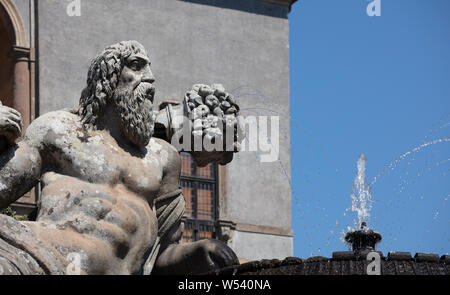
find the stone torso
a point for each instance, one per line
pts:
(97, 196)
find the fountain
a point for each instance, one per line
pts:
(363, 241)
(362, 238)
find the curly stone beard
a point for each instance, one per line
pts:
(135, 110)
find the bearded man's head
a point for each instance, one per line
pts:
(132, 97)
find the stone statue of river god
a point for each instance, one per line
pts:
(110, 200)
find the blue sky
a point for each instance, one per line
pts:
(378, 86)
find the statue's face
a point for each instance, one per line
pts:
(133, 99)
(136, 71)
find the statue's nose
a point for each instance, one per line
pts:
(148, 77)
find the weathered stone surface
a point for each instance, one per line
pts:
(424, 257)
(344, 255)
(399, 256)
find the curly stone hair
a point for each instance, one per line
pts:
(102, 79)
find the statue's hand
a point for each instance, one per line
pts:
(214, 114)
(213, 255)
(10, 124)
(200, 257)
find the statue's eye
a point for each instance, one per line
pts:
(135, 65)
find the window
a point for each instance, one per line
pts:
(199, 185)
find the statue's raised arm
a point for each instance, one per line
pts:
(205, 124)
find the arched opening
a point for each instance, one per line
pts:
(17, 78)
(16, 53)
(6, 64)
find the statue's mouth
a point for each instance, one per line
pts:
(145, 91)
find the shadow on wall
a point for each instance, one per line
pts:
(252, 6)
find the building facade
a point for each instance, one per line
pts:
(47, 45)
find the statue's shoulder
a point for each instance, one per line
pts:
(51, 125)
(163, 147)
(161, 144)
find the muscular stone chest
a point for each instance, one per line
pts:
(97, 158)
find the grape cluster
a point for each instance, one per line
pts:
(212, 110)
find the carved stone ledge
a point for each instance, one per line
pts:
(264, 229)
